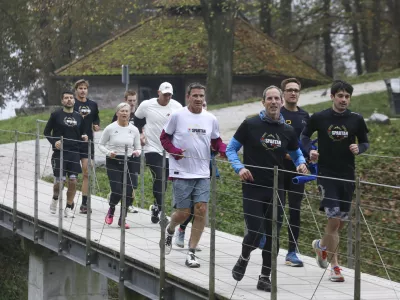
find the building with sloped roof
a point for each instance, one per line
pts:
(172, 46)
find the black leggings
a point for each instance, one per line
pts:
(154, 162)
(295, 194)
(257, 210)
(115, 173)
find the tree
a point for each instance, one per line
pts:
(355, 35)
(285, 22)
(326, 35)
(219, 20)
(266, 16)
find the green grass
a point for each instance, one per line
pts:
(363, 104)
(368, 77)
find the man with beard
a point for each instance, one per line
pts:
(89, 111)
(68, 124)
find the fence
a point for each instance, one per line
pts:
(371, 240)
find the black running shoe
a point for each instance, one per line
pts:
(240, 268)
(154, 214)
(83, 209)
(264, 284)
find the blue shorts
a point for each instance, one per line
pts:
(186, 192)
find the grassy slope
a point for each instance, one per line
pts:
(361, 79)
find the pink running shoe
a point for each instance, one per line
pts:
(109, 217)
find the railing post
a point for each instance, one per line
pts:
(211, 294)
(89, 206)
(60, 199)
(357, 269)
(274, 250)
(163, 227)
(350, 260)
(15, 182)
(142, 167)
(122, 240)
(36, 195)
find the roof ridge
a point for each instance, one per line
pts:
(284, 48)
(134, 27)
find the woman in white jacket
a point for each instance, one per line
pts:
(112, 143)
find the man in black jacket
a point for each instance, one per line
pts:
(337, 128)
(68, 124)
(90, 113)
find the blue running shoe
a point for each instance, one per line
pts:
(292, 260)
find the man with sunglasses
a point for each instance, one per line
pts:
(337, 128)
(297, 118)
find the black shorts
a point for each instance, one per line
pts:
(84, 150)
(335, 193)
(71, 163)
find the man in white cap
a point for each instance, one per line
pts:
(150, 118)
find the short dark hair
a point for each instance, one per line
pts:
(341, 85)
(195, 85)
(66, 92)
(129, 93)
(289, 80)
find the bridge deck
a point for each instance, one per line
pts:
(142, 243)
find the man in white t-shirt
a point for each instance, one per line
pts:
(188, 137)
(150, 118)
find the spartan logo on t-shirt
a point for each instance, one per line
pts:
(289, 122)
(84, 110)
(70, 121)
(337, 132)
(196, 131)
(271, 141)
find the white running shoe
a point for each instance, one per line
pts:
(132, 209)
(69, 212)
(191, 260)
(179, 238)
(168, 241)
(53, 206)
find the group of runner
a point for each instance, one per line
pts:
(190, 135)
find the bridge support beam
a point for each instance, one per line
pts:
(53, 277)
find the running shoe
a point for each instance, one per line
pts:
(132, 209)
(292, 260)
(336, 275)
(240, 268)
(69, 211)
(126, 224)
(191, 260)
(321, 255)
(168, 241)
(53, 206)
(109, 217)
(180, 238)
(264, 283)
(154, 214)
(83, 209)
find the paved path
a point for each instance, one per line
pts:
(231, 117)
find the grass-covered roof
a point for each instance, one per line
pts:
(177, 45)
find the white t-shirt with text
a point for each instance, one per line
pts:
(156, 116)
(192, 133)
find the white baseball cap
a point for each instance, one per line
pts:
(166, 87)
